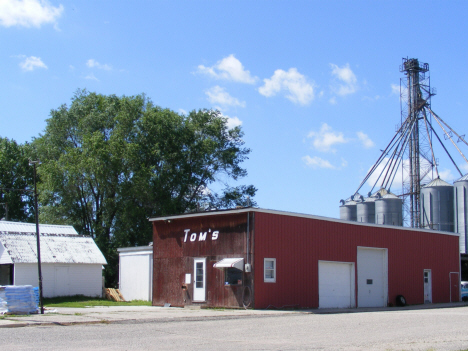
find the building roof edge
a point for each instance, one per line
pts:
(292, 214)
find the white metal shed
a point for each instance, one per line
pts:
(136, 272)
(71, 263)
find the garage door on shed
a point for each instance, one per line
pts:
(372, 277)
(336, 285)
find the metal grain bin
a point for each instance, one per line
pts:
(461, 211)
(437, 210)
(366, 208)
(348, 209)
(389, 210)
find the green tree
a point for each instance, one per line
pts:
(16, 182)
(109, 163)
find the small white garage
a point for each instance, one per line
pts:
(136, 273)
(71, 264)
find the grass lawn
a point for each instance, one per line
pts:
(83, 301)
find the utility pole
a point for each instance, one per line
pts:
(34, 163)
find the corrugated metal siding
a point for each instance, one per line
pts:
(299, 243)
(169, 274)
(173, 258)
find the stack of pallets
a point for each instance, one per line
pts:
(114, 295)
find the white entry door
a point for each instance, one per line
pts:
(199, 276)
(372, 277)
(427, 286)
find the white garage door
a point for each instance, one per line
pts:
(336, 285)
(372, 277)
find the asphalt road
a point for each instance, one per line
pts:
(434, 329)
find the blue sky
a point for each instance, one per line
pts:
(313, 83)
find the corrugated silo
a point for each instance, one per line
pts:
(389, 210)
(437, 210)
(365, 210)
(461, 211)
(348, 209)
(366, 207)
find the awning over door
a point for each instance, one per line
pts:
(230, 263)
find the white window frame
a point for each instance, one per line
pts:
(265, 279)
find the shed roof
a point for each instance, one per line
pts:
(125, 250)
(59, 244)
(20, 227)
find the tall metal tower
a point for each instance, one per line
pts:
(418, 161)
(411, 151)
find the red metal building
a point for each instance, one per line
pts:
(263, 258)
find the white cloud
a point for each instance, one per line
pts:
(229, 68)
(298, 89)
(217, 95)
(366, 141)
(346, 80)
(183, 112)
(91, 77)
(447, 175)
(94, 64)
(381, 168)
(397, 180)
(317, 162)
(369, 98)
(31, 63)
(395, 89)
(232, 122)
(28, 13)
(326, 138)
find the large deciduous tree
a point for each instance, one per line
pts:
(109, 163)
(16, 180)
